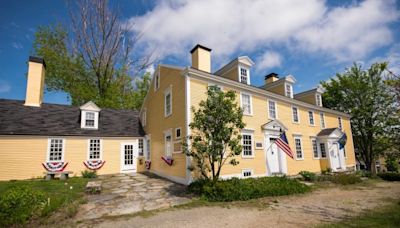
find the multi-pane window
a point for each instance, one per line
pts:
(247, 173)
(315, 148)
(295, 112)
(168, 146)
(178, 133)
(340, 123)
(246, 104)
(272, 109)
(323, 150)
(319, 100)
(94, 149)
(89, 119)
(56, 149)
(148, 149)
(299, 150)
(244, 75)
(321, 115)
(288, 89)
(141, 147)
(168, 104)
(247, 144)
(128, 154)
(311, 117)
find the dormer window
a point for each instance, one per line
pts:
(318, 100)
(90, 116)
(289, 90)
(244, 75)
(89, 119)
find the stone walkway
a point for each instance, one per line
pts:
(129, 193)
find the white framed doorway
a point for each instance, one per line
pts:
(129, 154)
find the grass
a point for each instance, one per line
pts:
(388, 216)
(60, 194)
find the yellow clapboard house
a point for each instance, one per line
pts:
(35, 134)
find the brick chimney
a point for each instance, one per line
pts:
(35, 84)
(201, 58)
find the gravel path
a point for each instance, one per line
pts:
(323, 205)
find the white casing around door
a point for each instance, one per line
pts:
(129, 155)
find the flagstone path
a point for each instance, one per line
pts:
(129, 193)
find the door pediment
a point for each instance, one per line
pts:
(274, 125)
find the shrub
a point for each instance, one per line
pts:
(308, 176)
(391, 164)
(364, 173)
(326, 171)
(89, 174)
(389, 176)
(19, 204)
(245, 189)
(345, 179)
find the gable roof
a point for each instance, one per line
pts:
(328, 132)
(64, 120)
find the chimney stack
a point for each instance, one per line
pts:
(201, 58)
(271, 78)
(35, 84)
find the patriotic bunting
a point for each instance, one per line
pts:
(167, 160)
(94, 164)
(55, 166)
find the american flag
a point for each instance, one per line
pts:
(282, 143)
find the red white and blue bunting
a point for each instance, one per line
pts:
(94, 164)
(168, 160)
(55, 166)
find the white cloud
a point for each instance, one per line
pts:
(268, 60)
(233, 26)
(4, 87)
(392, 57)
(17, 45)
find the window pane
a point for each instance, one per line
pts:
(299, 153)
(323, 151)
(295, 115)
(56, 150)
(140, 147)
(168, 104)
(311, 117)
(247, 145)
(315, 149)
(288, 90)
(246, 104)
(271, 108)
(243, 75)
(321, 115)
(94, 149)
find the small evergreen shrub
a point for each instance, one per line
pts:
(245, 189)
(308, 176)
(19, 204)
(346, 179)
(89, 174)
(392, 164)
(389, 176)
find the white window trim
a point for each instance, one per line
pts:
(166, 92)
(291, 90)
(309, 122)
(295, 149)
(248, 132)
(176, 131)
(88, 149)
(144, 147)
(157, 81)
(312, 138)
(96, 120)
(63, 149)
(318, 100)
(240, 74)
(168, 133)
(298, 115)
(251, 103)
(147, 147)
(247, 170)
(322, 120)
(276, 109)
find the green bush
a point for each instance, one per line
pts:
(245, 189)
(364, 173)
(389, 176)
(392, 164)
(19, 204)
(346, 179)
(308, 176)
(89, 174)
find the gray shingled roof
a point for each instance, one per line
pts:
(64, 120)
(326, 131)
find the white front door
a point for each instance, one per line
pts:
(335, 157)
(128, 157)
(273, 158)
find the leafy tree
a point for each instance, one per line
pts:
(92, 60)
(371, 103)
(216, 134)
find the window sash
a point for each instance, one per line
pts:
(315, 148)
(247, 144)
(94, 149)
(311, 117)
(89, 119)
(246, 104)
(140, 147)
(272, 109)
(288, 90)
(299, 151)
(168, 104)
(243, 75)
(295, 114)
(323, 150)
(56, 150)
(168, 146)
(321, 115)
(318, 97)
(148, 149)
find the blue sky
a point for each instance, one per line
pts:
(310, 39)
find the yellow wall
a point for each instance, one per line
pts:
(35, 84)
(279, 89)
(157, 123)
(260, 117)
(21, 157)
(309, 98)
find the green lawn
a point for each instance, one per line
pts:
(60, 194)
(382, 217)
